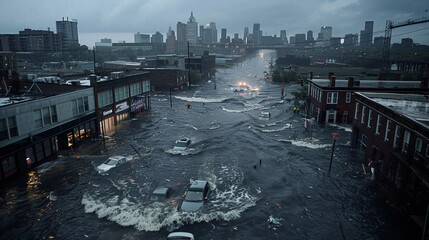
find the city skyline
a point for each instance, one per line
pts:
(345, 17)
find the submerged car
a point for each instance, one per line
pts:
(182, 144)
(160, 194)
(180, 236)
(196, 195)
(112, 162)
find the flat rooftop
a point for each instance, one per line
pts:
(413, 106)
(369, 84)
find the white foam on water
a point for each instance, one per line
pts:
(249, 107)
(307, 144)
(286, 126)
(174, 152)
(195, 128)
(199, 99)
(347, 129)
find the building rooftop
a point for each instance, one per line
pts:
(362, 84)
(412, 106)
(4, 101)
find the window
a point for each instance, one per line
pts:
(74, 107)
(105, 98)
(46, 116)
(135, 89)
(121, 93)
(3, 130)
(86, 103)
(13, 129)
(406, 142)
(362, 119)
(418, 149)
(320, 96)
(80, 105)
(378, 125)
(386, 134)
(54, 116)
(37, 116)
(332, 98)
(356, 110)
(348, 97)
(397, 132)
(369, 119)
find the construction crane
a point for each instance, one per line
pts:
(388, 36)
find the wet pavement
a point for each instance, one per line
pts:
(256, 167)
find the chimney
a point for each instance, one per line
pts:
(310, 75)
(424, 82)
(350, 82)
(332, 81)
(330, 75)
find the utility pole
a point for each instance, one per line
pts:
(189, 67)
(335, 136)
(93, 52)
(171, 101)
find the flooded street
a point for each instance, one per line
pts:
(255, 166)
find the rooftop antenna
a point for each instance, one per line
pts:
(36, 88)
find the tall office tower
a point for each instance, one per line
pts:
(207, 35)
(366, 34)
(310, 38)
(170, 43)
(283, 36)
(157, 38)
(201, 31)
(350, 40)
(68, 31)
(300, 40)
(246, 34)
(181, 37)
(256, 32)
(214, 31)
(168, 32)
(192, 30)
(223, 35)
(326, 34)
(141, 38)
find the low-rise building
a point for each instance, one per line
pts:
(332, 100)
(34, 127)
(393, 130)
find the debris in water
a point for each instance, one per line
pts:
(308, 197)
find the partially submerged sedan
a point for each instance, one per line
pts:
(182, 144)
(112, 162)
(196, 195)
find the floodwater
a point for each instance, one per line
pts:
(69, 199)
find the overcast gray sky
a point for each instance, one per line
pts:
(119, 19)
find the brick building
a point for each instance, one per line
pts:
(333, 100)
(393, 129)
(168, 78)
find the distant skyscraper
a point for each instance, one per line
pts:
(214, 31)
(256, 34)
(141, 38)
(157, 38)
(245, 35)
(192, 30)
(201, 31)
(283, 36)
(207, 35)
(310, 38)
(326, 35)
(170, 43)
(181, 37)
(300, 40)
(235, 35)
(68, 31)
(169, 31)
(366, 35)
(350, 40)
(223, 35)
